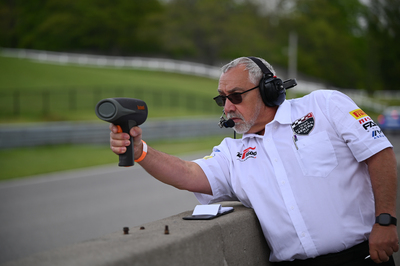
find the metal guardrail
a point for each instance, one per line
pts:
(35, 134)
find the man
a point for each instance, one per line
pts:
(316, 170)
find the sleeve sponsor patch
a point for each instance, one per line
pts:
(367, 123)
(358, 113)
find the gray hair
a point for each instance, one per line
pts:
(255, 73)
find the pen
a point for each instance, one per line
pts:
(294, 141)
(367, 257)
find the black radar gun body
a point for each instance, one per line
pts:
(124, 113)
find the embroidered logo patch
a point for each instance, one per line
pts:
(364, 120)
(358, 113)
(304, 125)
(367, 123)
(250, 152)
(376, 134)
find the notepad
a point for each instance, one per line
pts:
(207, 212)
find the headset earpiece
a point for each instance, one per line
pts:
(272, 90)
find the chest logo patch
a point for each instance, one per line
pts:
(304, 125)
(250, 152)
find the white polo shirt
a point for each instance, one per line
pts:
(305, 178)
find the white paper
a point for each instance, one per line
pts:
(210, 209)
(225, 209)
(207, 209)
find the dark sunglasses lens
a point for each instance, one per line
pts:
(220, 100)
(235, 98)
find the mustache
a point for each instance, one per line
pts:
(231, 115)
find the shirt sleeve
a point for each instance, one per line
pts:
(216, 168)
(361, 134)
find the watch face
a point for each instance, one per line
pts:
(384, 219)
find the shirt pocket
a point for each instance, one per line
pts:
(316, 155)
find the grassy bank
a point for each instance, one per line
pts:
(32, 91)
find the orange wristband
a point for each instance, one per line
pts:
(144, 153)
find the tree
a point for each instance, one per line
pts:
(383, 22)
(102, 26)
(331, 42)
(209, 30)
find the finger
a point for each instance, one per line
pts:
(119, 136)
(136, 132)
(383, 256)
(113, 128)
(396, 247)
(118, 150)
(119, 146)
(119, 143)
(374, 256)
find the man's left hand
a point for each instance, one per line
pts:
(383, 242)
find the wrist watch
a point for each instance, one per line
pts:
(385, 219)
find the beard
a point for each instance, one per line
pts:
(244, 126)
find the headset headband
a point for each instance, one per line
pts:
(264, 69)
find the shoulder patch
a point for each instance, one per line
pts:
(358, 113)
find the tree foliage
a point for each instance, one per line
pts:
(383, 45)
(344, 42)
(99, 26)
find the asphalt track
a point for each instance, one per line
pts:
(50, 211)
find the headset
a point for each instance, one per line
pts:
(272, 89)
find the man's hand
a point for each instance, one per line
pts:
(119, 140)
(383, 242)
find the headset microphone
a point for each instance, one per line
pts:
(225, 123)
(229, 123)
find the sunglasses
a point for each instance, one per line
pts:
(235, 97)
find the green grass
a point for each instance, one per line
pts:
(23, 162)
(29, 75)
(54, 92)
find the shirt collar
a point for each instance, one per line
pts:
(282, 116)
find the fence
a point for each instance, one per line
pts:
(62, 103)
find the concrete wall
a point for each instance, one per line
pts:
(232, 239)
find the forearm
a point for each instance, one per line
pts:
(383, 171)
(166, 168)
(383, 240)
(175, 171)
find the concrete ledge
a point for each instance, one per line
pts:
(232, 239)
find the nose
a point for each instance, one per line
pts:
(229, 107)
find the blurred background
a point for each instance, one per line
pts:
(346, 43)
(58, 58)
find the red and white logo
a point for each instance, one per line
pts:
(250, 152)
